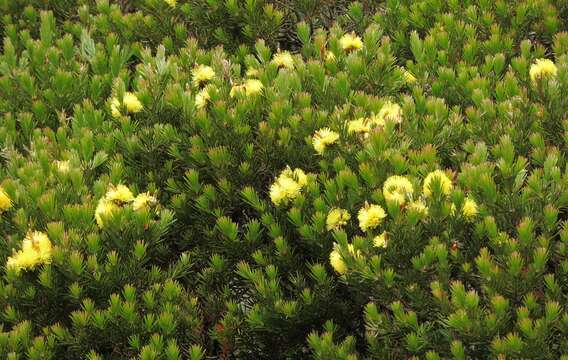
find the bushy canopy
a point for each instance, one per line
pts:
(390, 186)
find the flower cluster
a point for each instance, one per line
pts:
(397, 189)
(283, 60)
(288, 185)
(542, 69)
(421, 214)
(370, 216)
(322, 138)
(129, 101)
(5, 201)
(118, 196)
(337, 218)
(251, 87)
(36, 249)
(351, 42)
(202, 74)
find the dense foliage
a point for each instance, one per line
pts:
(390, 186)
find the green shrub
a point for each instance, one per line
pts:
(169, 22)
(396, 192)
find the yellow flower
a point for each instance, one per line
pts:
(337, 218)
(322, 138)
(115, 108)
(469, 209)
(23, 260)
(297, 175)
(283, 60)
(288, 185)
(62, 166)
(350, 42)
(397, 189)
(542, 68)
(103, 210)
(202, 98)
(370, 216)
(358, 126)
(391, 112)
(171, 3)
(419, 207)
(12, 262)
(380, 241)
(132, 103)
(277, 194)
(202, 74)
(376, 121)
(36, 249)
(5, 201)
(120, 193)
(39, 242)
(236, 89)
(283, 190)
(337, 262)
(444, 181)
(253, 87)
(143, 200)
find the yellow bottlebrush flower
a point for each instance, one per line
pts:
(171, 3)
(283, 60)
(397, 189)
(542, 68)
(380, 241)
(469, 209)
(277, 194)
(322, 138)
(39, 242)
(284, 189)
(115, 108)
(252, 72)
(419, 207)
(62, 166)
(202, 98)
(337, 218)
(359, 126)
(36, 249)
(391, 112)
(120, 193)
(103, 210)
(370, 216)
(350, 42)
(143, 200)
(131, 102)
(22, 260)
(288, 185)
(297, 175)
(236, 89)
(443, 179)
(5, 201)
(202, 74)
(337, 262)
(12, 262)
(253, 87)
